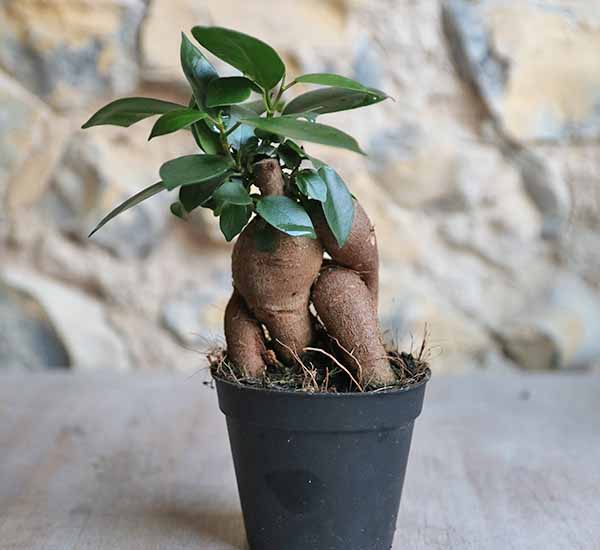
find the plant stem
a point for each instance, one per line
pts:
(224, 142)
(233, 128)
(267, 101)
(283, 88)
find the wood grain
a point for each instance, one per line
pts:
(109, 462)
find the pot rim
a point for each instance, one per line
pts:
(324, 395)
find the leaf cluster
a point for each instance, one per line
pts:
(237, 121)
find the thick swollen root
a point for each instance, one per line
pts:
(290, 331)
(245, 341)
(359, 253)
(344, 304)
(276, 286)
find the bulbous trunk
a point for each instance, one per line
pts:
(275, 288)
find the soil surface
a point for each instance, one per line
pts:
(320, 370)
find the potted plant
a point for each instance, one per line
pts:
(319, 413)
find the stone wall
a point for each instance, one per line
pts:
(482, 176)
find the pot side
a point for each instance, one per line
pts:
(319, 471)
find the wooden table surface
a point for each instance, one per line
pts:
(128, 462)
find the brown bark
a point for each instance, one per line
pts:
(344, 304)
(245, 341)
(268, 177)
(276, 286)
(359, 252)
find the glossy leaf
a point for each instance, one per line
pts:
(286, 215)
(241, 136)
(289, 156)
(338, 81)
(251, 56)
(268, 137)
(318, 164)
(128, 111)
(193, 169)
(195, 195)
(176, 120)
(311, 185)
(331, 100)
(197, 69)
(228, 91)
(307, 131)
(178, 210)
(250, 108)
(266, 149)
(301, 152)
(233, 219)
(199, 74)
(233, 192)
(205, 138)
(130, 203)
(339, 205)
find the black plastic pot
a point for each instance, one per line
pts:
(319, 471)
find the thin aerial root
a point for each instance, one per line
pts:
(318, 350)
(307, 372)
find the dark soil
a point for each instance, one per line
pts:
(322, 369)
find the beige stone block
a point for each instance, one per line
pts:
(31, 140)
(535, 64)
(70, 51)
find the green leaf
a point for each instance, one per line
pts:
(250, 108)
(176, 120)
(233, 192)
(268, 137)
(128, 111)
(307, 131)
(193, 169)
(129, 203)
(199, 73)
(197, 69)
(233, 219)
(286, 215)
(339, 206)
(228, 91)
(241, 136)
(336, 80)
(290, 157)
(311, 185)
(206, 139)
(331, 100)
(178, 210)
(195, 195)
(318, 164)
(215, 206)
(301, 152)
(266, 149)
(253, 57)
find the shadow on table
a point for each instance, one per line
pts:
(208, 525)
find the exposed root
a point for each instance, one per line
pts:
(318, 369)
(310, 381)
(355, 382)
(344, 305)
(273, 337)
(349, 353)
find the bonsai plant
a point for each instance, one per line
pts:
(319, 413)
